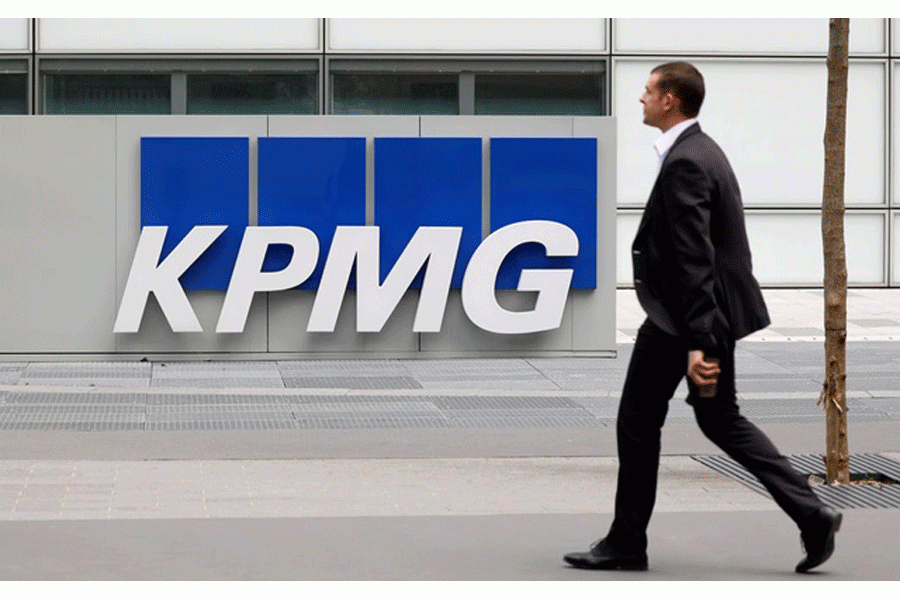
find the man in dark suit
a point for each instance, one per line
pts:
(694, 279)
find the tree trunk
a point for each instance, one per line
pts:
(834, 389)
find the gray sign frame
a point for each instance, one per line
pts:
(71, 221)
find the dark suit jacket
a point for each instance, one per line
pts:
(692, 267)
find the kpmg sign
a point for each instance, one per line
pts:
(312, 233)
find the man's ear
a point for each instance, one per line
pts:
(670, 101)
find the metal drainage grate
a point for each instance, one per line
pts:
(842, 496)
(352, 382)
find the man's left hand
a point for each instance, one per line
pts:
(700, 370)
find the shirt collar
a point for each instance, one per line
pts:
(667, 139)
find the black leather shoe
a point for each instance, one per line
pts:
(602, 557)
(817, 537)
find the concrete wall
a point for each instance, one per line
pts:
(71, 220)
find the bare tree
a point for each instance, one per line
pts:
(834, 389)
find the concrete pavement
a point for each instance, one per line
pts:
(478, 469)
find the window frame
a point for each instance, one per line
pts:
(19, 65)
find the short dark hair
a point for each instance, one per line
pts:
(685, 82)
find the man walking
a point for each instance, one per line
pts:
(693, 277)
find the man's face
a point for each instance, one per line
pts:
(654, 102)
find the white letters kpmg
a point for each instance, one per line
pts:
(434, 248)
(552, 285)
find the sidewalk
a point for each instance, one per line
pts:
(474, 469)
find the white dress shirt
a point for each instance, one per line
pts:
(667, 139)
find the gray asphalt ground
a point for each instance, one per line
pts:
(447, 469)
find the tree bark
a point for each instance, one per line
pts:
(834, 389)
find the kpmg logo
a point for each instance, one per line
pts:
(311, 231)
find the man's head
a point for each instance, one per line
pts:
(674, 92)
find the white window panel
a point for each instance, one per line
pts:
(769, 117)
(626, 228)
(742, 36)
(178, 35)
(864, 236)
(787, 248)
(467, 35)
(779, 259)
(895, 244)
(896, 128)
(14, 35)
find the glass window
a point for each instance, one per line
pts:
(538, 94)
(237, 93)
(105, 94)
(13, 94)
(394, 94)
(467, 87)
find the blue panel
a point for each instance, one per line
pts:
(552, 179)
(427, 181)
(317, 183)
(198, 181)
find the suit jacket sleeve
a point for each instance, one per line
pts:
(687, 204)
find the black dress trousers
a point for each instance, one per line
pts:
(658, 363)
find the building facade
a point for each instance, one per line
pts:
(79, 98)
(765, 103)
